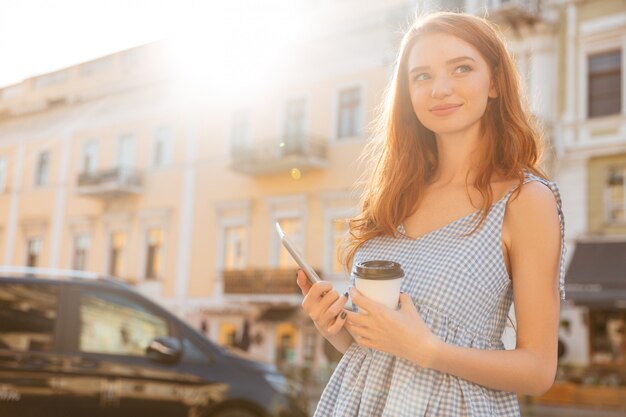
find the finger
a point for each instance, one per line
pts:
(406, 302)
(338, 324)
(334, 310)
(315, 293)
(303, 282)
(358, 319)
(320, 309)
(357, 330)
(362, 301)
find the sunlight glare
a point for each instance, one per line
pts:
(232, 48)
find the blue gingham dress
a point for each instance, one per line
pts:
(462, 290)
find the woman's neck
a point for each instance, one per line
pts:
(458, 155)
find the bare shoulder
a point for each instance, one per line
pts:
(532, 212)
(533, 197)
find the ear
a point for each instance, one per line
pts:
(493, 93)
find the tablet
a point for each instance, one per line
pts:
(297, 256)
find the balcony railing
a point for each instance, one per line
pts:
(261, 282)
(275, 156)
(110, 183)
(515, 12)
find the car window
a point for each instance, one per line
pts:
(112, 323)
(28, 314)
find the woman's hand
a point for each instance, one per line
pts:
(323, 305)
(400, 332)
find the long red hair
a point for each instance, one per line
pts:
(403, 154)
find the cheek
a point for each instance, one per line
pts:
(418, 101)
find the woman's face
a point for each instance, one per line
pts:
(449, 83)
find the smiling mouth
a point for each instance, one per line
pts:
(445, 109)
(442, 107)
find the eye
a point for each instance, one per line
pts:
(463, 68)
(421, 76)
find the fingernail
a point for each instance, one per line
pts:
(343, 315)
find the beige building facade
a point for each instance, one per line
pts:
(120, 167)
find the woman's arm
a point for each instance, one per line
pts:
(533, 227)
(341, 341)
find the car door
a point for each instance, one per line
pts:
(108, 372)
(29, 359)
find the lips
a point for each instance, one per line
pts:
(444, 109)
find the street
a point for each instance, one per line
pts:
(560, 411)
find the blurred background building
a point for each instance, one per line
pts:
(125, 166)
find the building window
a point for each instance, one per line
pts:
(81, 248)
(125, 151)
(308, 354)
(295, 119)
(241, 133)
(162, 152)
(228, 334)
(339, 230)
(27, 316)
(608, 330)
(234, 247)
(286, 334)
(43, 168)
(154, 255)
(615, 196)
(605, 83)
(90, 157)
(459, 5)
(3, 175)
(33, 251)
(349, 113)
(116, 251)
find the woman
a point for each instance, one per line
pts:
(457, 198)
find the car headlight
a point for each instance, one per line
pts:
(278, 382)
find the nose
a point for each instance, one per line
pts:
(441, 88)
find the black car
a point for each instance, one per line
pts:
(96, 347)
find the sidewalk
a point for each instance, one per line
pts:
(535, 410)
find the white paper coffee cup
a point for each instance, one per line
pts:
(380, 281)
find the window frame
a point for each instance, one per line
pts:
(4, 172)
(39, 181)
(86, 151)
(593, 43)
(146, 252)
(28, 240)
(588, 96)
(607, 205)
(166, 140)
(335, 109)
(354, 111)
(59, 328)
(75, 237)
(78, 292)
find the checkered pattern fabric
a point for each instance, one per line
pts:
(462, 290)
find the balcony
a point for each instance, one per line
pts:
(515, 13)
(277, 156)
(271, 281)
(110, 183)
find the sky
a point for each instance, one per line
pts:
(41, 36)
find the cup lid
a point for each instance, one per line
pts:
(378, 270)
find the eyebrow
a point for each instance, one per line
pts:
(448, 62)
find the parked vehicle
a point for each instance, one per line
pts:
(83, 345)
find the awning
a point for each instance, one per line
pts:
(596, 275)
(278, 313)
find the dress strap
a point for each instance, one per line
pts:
(529, 177)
